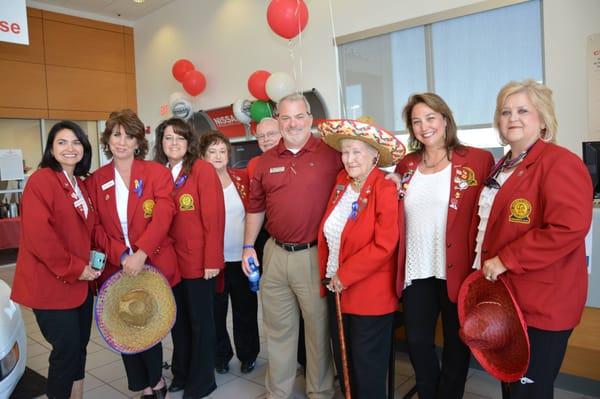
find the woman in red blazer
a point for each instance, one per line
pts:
(440, 182)
(535, 212)
(357, 243)
(135, 208)
(53, 271)
(216, 149)
(197, 230)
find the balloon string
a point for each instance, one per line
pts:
(299, 85)
(292, 58)
(341, 99)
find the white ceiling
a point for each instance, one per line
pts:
(125, 10)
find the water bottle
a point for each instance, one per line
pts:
(254, 276)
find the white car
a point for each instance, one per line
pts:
(13, 343)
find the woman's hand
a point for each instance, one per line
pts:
(89, 274)
(133, 264)
(492, 268)
(335, 285)
(395, 177)
(211, 273)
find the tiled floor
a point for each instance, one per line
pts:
(105, 375)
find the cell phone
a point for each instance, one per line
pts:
(97, 260)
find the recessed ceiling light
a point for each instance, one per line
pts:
(138, 1)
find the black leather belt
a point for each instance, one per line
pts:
(294, 247)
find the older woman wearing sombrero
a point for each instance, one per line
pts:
(357, 251)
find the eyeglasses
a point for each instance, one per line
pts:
(300, 117)
(267, 135)
(504, 164)
(491, 182)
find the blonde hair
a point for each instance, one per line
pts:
(540, 96)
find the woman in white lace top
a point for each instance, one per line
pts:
(440, 182)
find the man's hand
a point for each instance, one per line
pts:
(248, 253)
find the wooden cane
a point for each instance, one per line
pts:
(340, 323)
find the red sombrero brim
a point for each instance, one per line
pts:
(390, 149)
(510, 363)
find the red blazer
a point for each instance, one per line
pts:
(368, 246)
(199, 221)
(149, 217)
(55, 244)
(537, 227)
(470, 167)
(242, 184)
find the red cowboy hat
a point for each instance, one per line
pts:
(493, 327)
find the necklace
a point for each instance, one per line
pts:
(357, 183)
(434, 164)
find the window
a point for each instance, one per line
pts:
(465, 60)
(23, 134)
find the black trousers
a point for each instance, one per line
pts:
(68, 331)
(368, 345)
(194, 337)
(244, 306)
(144, 369)
(423, 301)
(546, 356)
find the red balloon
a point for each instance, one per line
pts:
(257, 84)
(180, 68)
(194, 82)
(287, 18)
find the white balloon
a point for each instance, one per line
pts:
(180, 105)
(182, 109)
(241, 110)
(279, 85)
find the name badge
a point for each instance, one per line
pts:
(108, 185)
(78, 203)
(277, 169)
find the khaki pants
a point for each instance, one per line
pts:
(290, 284)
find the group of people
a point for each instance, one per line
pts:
(339, 242)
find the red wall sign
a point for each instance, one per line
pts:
(226, 122)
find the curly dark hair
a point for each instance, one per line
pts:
(133, 127)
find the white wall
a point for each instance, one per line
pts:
(567, 25)
(229, 39)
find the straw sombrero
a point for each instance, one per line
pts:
(493, 327)
(390, 149)
(134, 313)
